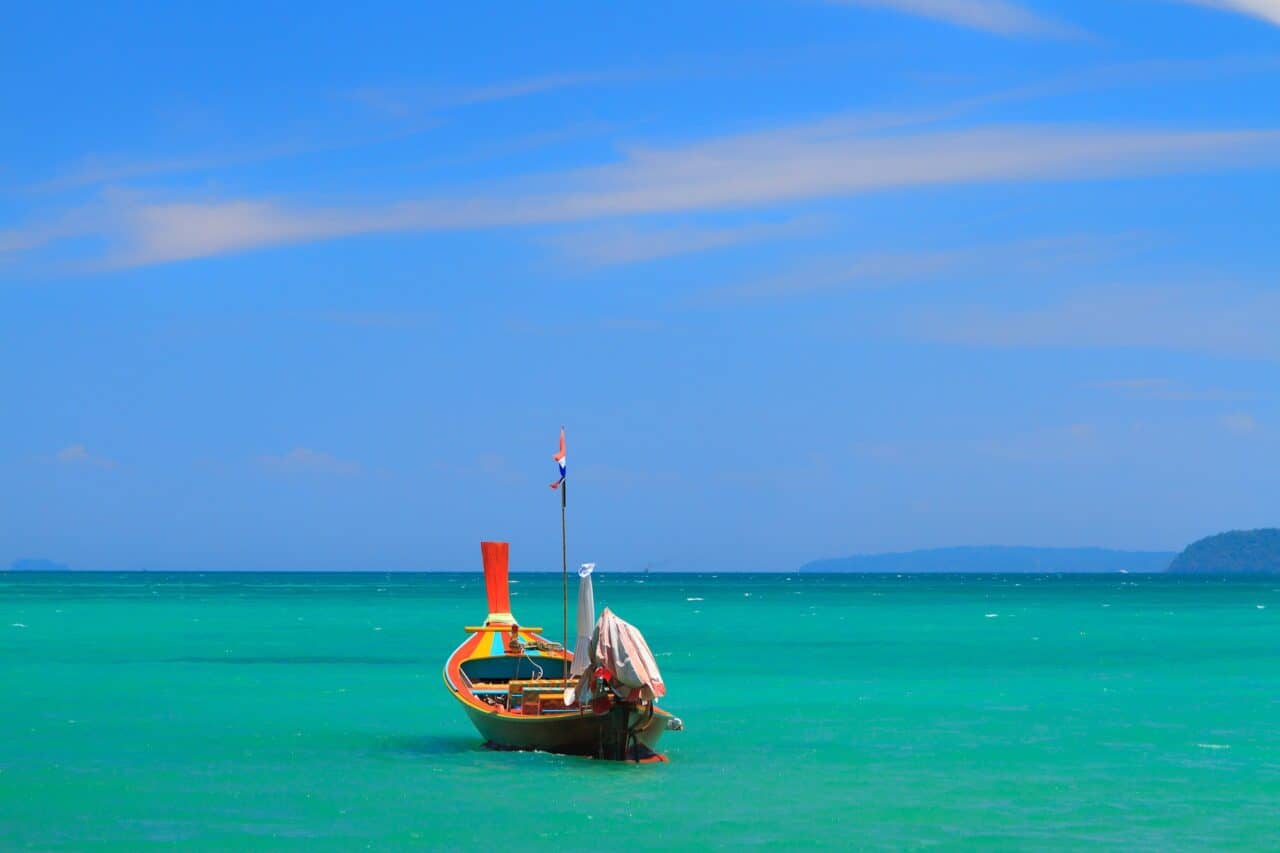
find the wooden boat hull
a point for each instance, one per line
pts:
(580, 731)
(568, 733)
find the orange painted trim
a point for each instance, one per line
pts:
(456, 681)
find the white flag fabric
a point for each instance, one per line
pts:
(586, 621)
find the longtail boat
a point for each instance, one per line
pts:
(523, 691)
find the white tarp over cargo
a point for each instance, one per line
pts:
(620, 648)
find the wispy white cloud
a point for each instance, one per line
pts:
(304, 460)
(623, 244)
(1112, 77)
(870, 270)
(1211, 320)
(400, 101)
(1165, 389)
(155, 233)
(74, 223)
(1042, 444)
(1241, 423)
(78, 454)
(992, 16)
(490, 466)
(1267, 10)
(1137, 386)
(838, 157)
(380, 319)
(107, 169)
(873, 270)
(607, 325)
(97, 169)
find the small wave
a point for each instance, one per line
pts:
(18, 625)
(992, 615)
(1214, 745)
(695, 599)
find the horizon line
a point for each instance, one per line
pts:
(554, 572)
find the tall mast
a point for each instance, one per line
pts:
(564, 584)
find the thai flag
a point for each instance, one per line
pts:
(559, 457)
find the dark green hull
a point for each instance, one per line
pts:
(568, 733)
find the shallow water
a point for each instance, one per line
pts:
(307, 711)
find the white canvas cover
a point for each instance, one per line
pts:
(620, 648)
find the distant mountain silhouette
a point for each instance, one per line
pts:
(36, 564)
(999, 559)
(1236, 552)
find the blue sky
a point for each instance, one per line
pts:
(288, 289)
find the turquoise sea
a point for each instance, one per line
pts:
(306, 711)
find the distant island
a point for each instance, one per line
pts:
(998, 559)
(36, 564)
(1235, 552)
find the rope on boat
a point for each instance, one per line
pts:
(533, 664)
